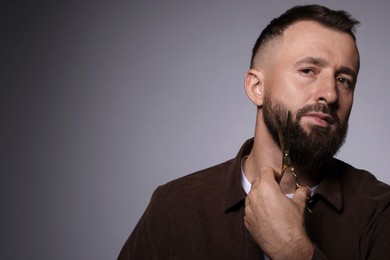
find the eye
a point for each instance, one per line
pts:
(307, 71)
(344, 82)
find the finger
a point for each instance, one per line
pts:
(254, 182)
(266, 181)
(301, 195)
(268, 174)
(246, 201)
(247, 222)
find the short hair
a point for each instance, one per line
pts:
(337, 20)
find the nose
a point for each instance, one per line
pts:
(326, 91)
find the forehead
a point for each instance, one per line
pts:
(308, 38)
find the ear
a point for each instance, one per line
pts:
(254, 86)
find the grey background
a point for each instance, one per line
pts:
(100, 102)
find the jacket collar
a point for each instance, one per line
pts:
(235, 194)
(329, 188)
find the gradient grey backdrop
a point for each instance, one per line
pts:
(103, 101)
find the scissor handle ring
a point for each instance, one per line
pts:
(297, 184)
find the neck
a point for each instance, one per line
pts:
(266, 152)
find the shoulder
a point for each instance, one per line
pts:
(367, 203)
(361, 188)
(196, 187)
(360, 180)
(200, 178)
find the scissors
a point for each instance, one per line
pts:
(286, 159)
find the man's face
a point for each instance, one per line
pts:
(313, 76)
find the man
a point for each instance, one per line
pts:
(302, 78)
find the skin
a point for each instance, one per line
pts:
(311, 64)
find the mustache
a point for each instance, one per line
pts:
(318, 107)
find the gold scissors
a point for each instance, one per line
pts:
(286, 160)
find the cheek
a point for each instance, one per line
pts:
(345, 108)
(289, 96)
(277, 86)
(344, 116)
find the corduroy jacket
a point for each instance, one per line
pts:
(201, 216)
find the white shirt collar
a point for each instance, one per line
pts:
(246, 185)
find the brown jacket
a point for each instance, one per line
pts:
(200, 216)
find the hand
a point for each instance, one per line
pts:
(275, 222)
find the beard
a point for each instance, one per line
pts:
(311, 149)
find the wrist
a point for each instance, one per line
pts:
(301, 249)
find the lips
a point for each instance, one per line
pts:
(321, 119)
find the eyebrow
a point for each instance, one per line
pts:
(313, 60)
(322, 62)
(348, 71)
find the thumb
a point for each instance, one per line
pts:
(301, 195)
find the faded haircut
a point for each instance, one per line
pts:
(337, 20)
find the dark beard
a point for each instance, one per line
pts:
(308, 150)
